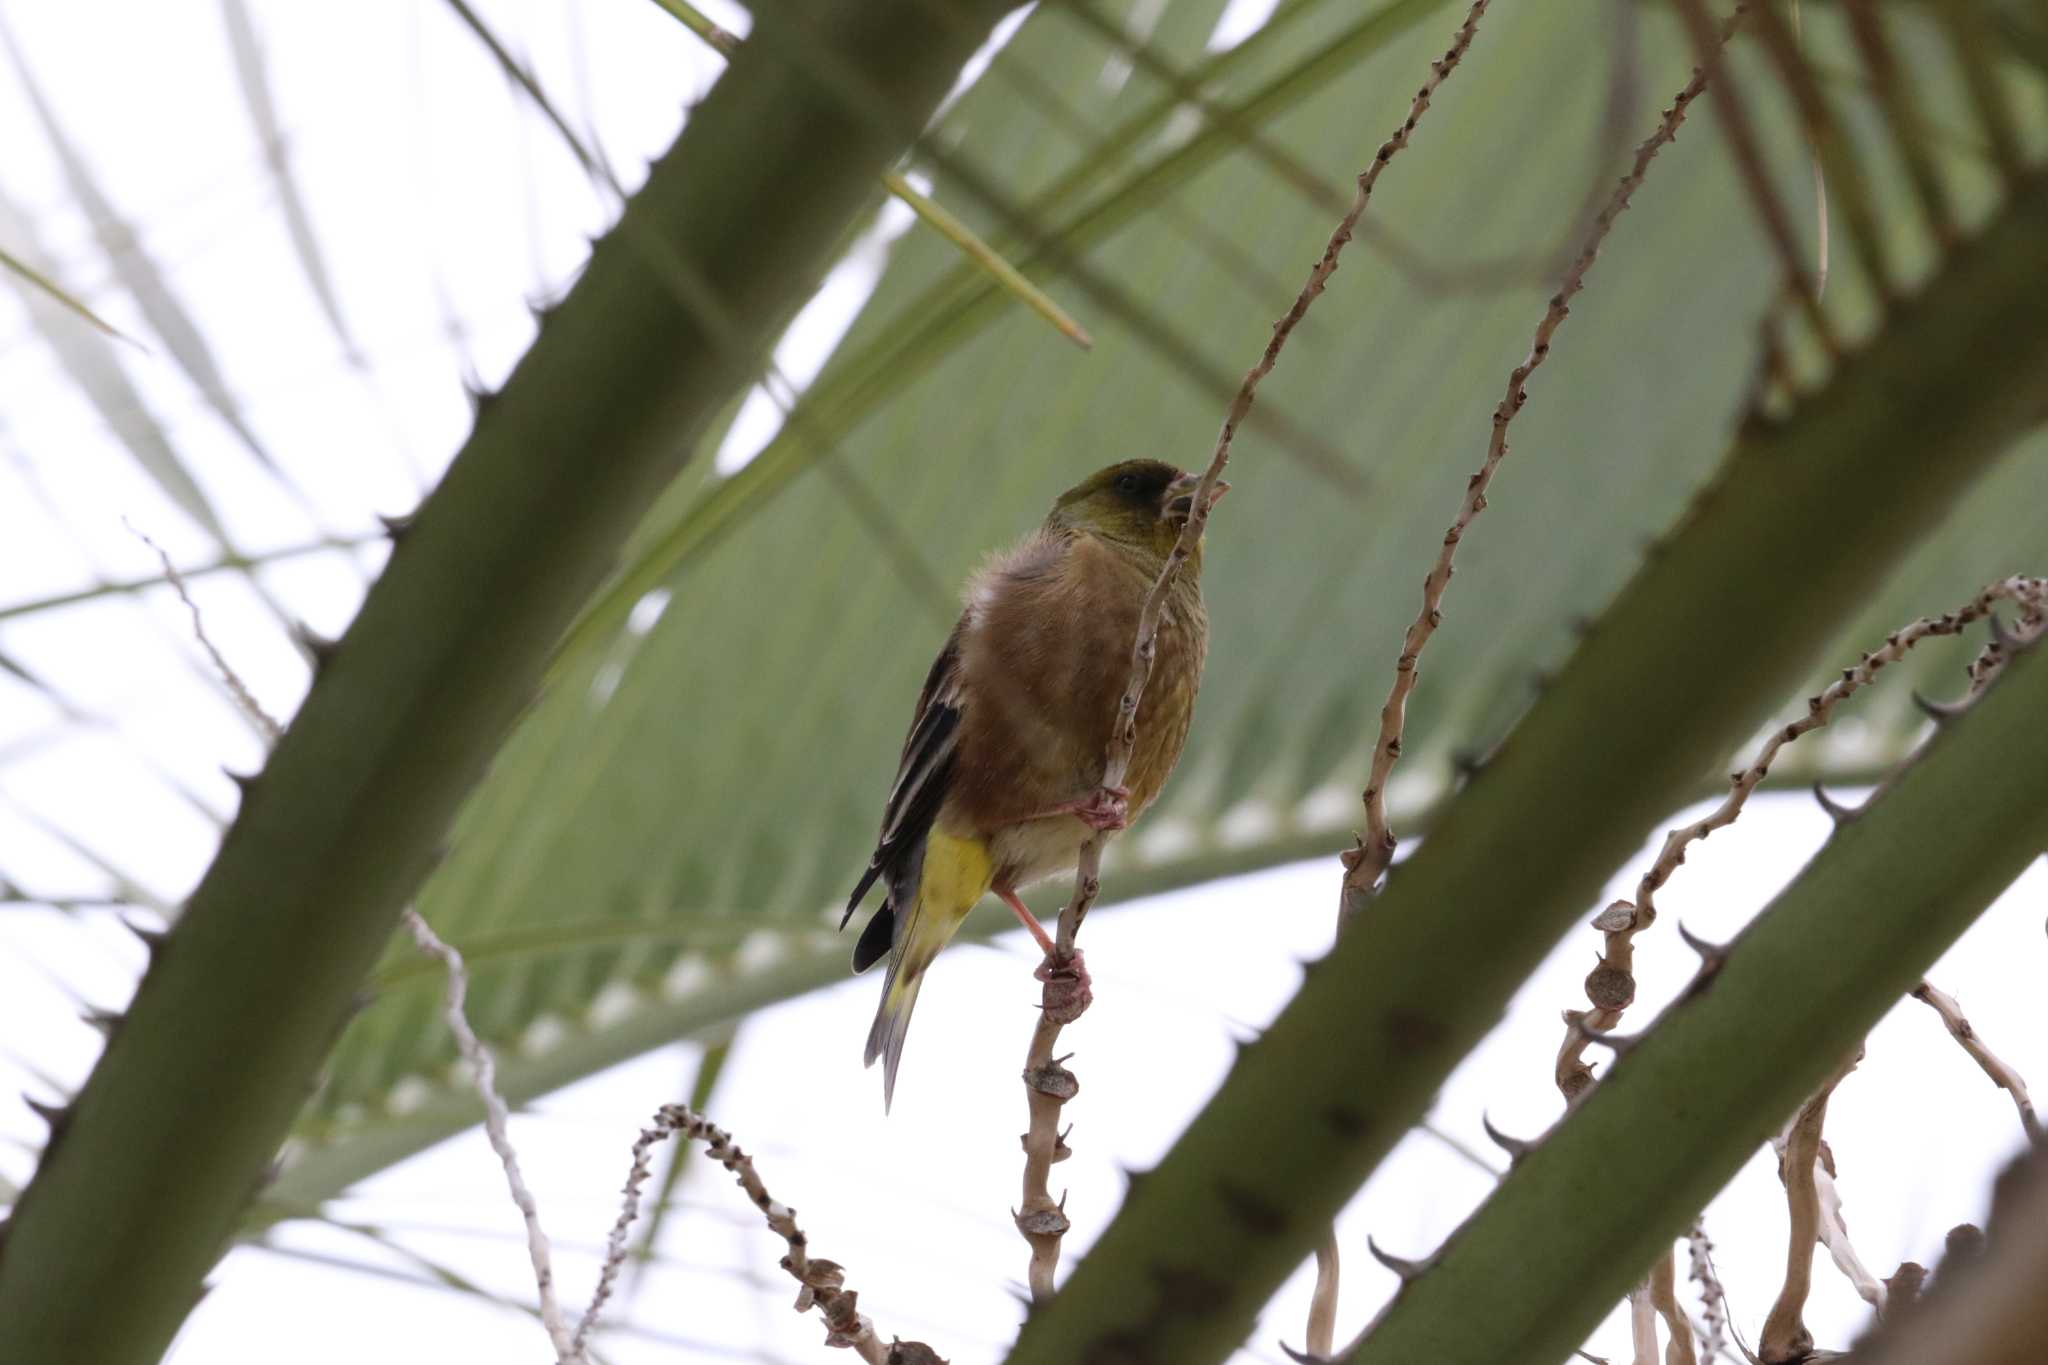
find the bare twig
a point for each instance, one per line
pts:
(1713, 1297)
(1756, 177)
(1642, 1326)
(615, 1245)
(1785, 1337)
(1664, 1297)
(823, 1283)
(2002, 1075)
(1048, 1084)
(1834, 1234)
(1374, 852)
(238, 689)
(1611, 985)
(483, 1069)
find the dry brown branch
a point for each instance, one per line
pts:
(1610, 987)
(1642, 1326)
(1535, 267)
(1756, 176)
(1785, 1337)
(1834, 1234)
(483, 1069)
(1366, 862)
(1048, 1084)
(1664, 1297)
(2002, 1075)
(822, 1283)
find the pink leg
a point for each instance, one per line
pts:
(1027, 919)
(1102, 810)
(1068, 990)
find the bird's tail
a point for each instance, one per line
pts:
(955, 874)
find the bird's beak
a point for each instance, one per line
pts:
(1180, 494)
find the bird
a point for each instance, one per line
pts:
(1000, 781)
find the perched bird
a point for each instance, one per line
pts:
(1000, 782)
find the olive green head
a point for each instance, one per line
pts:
(1142, 503)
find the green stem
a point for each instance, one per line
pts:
(1577, 1220)
(145, 1176)
(1711, 636)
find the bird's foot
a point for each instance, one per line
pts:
(1068, 989)
(1104, 810)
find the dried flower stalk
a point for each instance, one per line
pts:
(484, 1071)
(823, 1283)
(1610, 987)
(2002, 1075)
(1321, 1334)
(1368, 860)
(1048, 1084)
(483, 1068)
(1713, 1297)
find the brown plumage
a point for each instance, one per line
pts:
(999, 783)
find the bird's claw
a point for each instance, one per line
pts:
(1106, 810)
(1068, 989)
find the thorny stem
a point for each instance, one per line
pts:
(823, 1282)
(2002, 1075)
(1048, 1084)
(1610, 987)
(1369, 859)
(483, 1069)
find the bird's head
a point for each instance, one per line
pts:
(1142, 503)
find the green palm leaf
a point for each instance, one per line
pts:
(711, 771)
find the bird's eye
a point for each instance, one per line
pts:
(1126, 483)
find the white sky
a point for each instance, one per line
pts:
(438, 224)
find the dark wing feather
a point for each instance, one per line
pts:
(923, 775)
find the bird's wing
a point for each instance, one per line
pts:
(922, 775)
